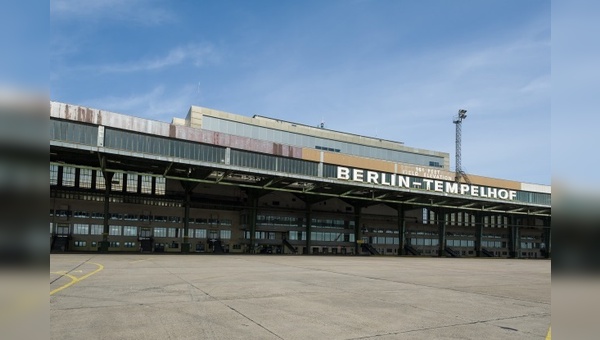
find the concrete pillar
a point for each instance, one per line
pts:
(185, 246)
(104, 244)
(357, 231)
(547, 237)
(77, 176)
(441, 215)
(513, 239)
(308, 219)
(253, 198)
(478, 233)
(188, 187)
(401, 230)
(59, 176)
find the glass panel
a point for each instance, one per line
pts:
(68, 179)
(53, 174)
(132, 182)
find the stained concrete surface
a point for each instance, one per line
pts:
(141, 296)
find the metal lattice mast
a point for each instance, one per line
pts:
(462, 114)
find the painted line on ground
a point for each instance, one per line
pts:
(75, 279)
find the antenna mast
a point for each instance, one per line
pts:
(462, 114)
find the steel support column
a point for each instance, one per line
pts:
(253, 198)
(308, 218)
(547, 237)
(104, 244)
(513, 240)
(478, 233)
(357, 232)
(401, 229)
(188, 187)
(441, 232)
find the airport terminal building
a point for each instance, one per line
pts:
(217, 182)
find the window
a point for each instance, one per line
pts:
(146, 184)
(160, 218)
(226, 234)
(68, 176)
(114, 244)
(160, 232)
(132, 180)
(53, 174)
(200, 233)
(129, 231)
(80, 243)
(96, 229)
(160, 186)
(85, 178)
(81, 214)
(100, 183)
(172, 232)
(130, 217)
(129, 244)
(114, 230)
(81, 229)
(117, 182)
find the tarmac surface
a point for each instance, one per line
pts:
(152, 296)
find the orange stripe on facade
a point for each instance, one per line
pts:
(403, 169)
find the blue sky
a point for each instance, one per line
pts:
(396, 69)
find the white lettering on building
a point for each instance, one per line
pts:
(402, 181)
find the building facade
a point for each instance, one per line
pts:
(224, 183)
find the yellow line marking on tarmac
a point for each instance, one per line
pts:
(549, 335)
(75, 279)
(148, 259)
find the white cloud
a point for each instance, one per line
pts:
(540, 84)
(144, 12)
(197, 55)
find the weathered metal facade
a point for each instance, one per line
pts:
(186, 189)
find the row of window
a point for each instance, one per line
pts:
(379, 231)
(68, 176)
(384, 240)
(296, 139)
(117, 230)
(73, 132)
(324, 148)
(461, 243)
(293, 221)
(113, 244)
(138, 218)
(274, 163)
(99, 197)
(321, 236)
(82, 229)
(466, 243)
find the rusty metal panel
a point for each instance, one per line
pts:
(131, 123)
(111, 119)
(86, 115)
(125, 122)
(236, 142)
